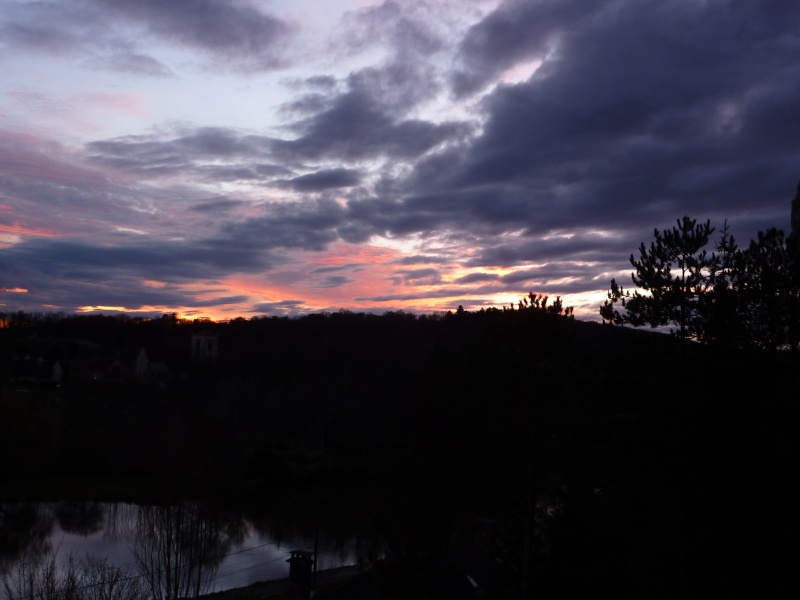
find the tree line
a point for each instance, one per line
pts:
(737, 297)
(514, 414)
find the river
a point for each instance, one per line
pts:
(226, 549)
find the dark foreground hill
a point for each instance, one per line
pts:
(596, 459)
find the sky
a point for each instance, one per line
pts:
(226, 158)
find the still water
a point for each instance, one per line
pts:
(235, 550)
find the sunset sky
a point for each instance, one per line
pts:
(227, 158)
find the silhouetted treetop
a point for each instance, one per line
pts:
(736, 297)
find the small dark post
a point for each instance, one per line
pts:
(300, 564)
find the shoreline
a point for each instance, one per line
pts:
(327, 581)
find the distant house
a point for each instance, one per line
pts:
(149, 370)
(205, 347)
(58, 373)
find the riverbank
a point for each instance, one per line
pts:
(328, 581)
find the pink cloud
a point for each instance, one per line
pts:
(47, 189)
(33, 158)
(127, 103)
(17, 229)
(342, 254)
(67, 113)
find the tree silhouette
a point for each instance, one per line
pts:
(675, 272)
(537, 303)
(179, 548)
(721, 307)
(768, 294)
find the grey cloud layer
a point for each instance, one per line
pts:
(673, 104)
(71, 274)
(355, 126)
(325, 179)
(231, 32)
(232, 29)
(640, 112)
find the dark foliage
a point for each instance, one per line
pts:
(597, 460)
(745, 298)
(674, 273)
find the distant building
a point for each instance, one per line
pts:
(58, 373)
(149, 370)
(205, 347)
(142, 364)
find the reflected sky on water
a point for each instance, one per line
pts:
(109, 530)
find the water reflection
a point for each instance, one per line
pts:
(25, 529)
(91, 578)
(83, 518)
(179, 548)
(176, 551)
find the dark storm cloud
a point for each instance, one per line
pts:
(284, 307)
(234, 33)
(42, 38)
(70, 274)
(405, 30)
(47, 190)
(421, 295)
(396, 86)
(125, 292)
(325, 179)
(199, 152)
(406, 77)
(48, 27)
(321, 82)
(248, 157)
(416, 277)
(519, 286)
(421, 259)
(484, 212)
(305, 105)
(201, 142)
(364, 122)
(544, 275)
(640, 113)
(332, 281)
(171, 261)
(245, 171)
(307, 226)
(517, 31)
(216, 205)
(233, 30)
(312, 95)
(355, 126)
(477, 278)
(347, 267)
(367, 114)
(583, 245)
